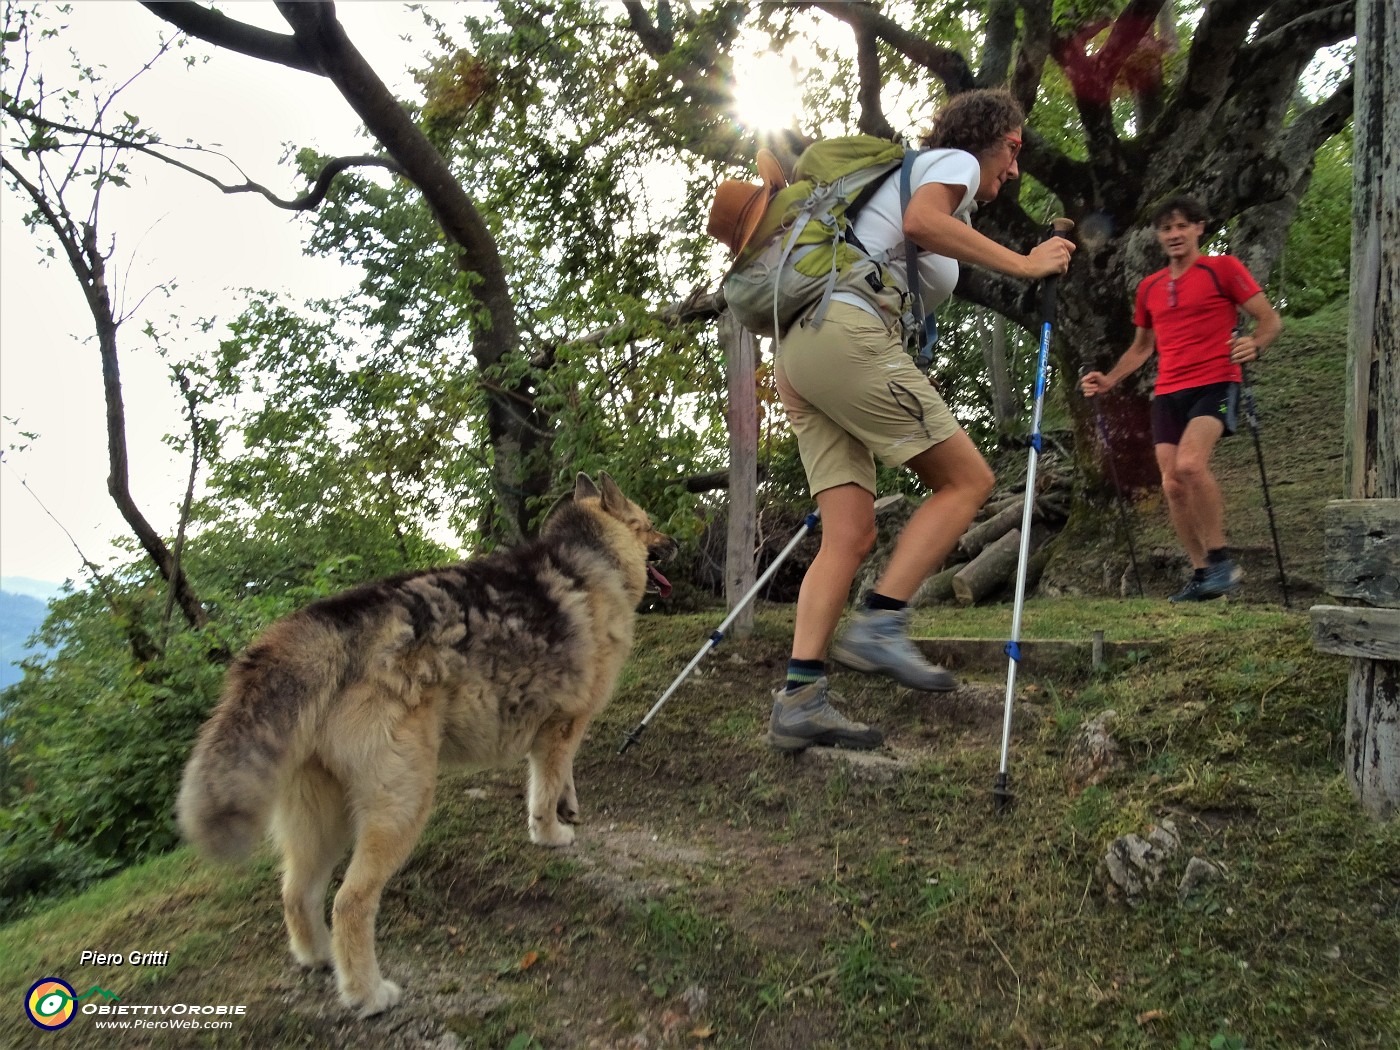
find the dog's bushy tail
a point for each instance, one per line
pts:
(273, 695)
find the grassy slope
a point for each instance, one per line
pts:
(724, 895)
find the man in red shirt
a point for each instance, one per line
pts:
(1189, 313)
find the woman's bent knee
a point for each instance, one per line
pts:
(984, 482)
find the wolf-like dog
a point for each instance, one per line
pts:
(332, 724)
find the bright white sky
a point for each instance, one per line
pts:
(168, 227)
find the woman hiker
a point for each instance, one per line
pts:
(853, 393)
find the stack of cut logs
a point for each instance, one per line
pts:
(982, 567)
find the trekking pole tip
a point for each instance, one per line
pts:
(632, 737)
(1002, 795)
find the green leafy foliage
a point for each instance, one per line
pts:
(92, 751)
(1316, 265)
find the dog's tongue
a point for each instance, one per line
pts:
(663, 585)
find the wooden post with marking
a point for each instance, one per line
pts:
(1363, 531)
(740, 572)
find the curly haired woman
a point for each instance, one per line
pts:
(852, 394)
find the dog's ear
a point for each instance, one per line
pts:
(584, 487)
(613, 499)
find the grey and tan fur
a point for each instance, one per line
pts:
(332, 725)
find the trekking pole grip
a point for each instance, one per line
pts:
(1050, 285)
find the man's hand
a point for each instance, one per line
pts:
(1092, 383)
(1243, 350)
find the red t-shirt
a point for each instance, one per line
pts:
(1193, 317)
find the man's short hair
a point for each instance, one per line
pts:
(1190, 209)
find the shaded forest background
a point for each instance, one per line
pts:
(537, 298)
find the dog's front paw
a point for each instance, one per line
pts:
(384, 997)
(550, 833)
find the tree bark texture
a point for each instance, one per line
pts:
(1373, 735)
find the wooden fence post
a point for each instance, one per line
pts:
(739, 570)
(1363, 532)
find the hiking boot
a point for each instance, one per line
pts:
(806, 717)
(1221, 578)
(878, 640)
(1194, 591)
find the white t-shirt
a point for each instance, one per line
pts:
(880, 224)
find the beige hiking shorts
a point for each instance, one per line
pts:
(852, 394)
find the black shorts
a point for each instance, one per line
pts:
(1171, 412)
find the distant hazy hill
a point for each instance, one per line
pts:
(41, 589)
(20, 617)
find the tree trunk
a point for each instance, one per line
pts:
(118, 477)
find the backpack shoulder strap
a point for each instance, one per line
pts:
(925, 334)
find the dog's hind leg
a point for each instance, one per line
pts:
(551, 793)
(389, 816)
(312, 828)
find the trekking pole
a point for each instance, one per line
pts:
(718, 636)
(1253, 420)
(1113, 476)
(1049, 288)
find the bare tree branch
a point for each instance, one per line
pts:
(308, 201)
(872, 114)
(218, 29)
(143, 650)
(946, 64)
(177, 549)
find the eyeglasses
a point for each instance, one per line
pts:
(1014, 143)
(1171, 294)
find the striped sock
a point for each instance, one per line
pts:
(803, 673)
